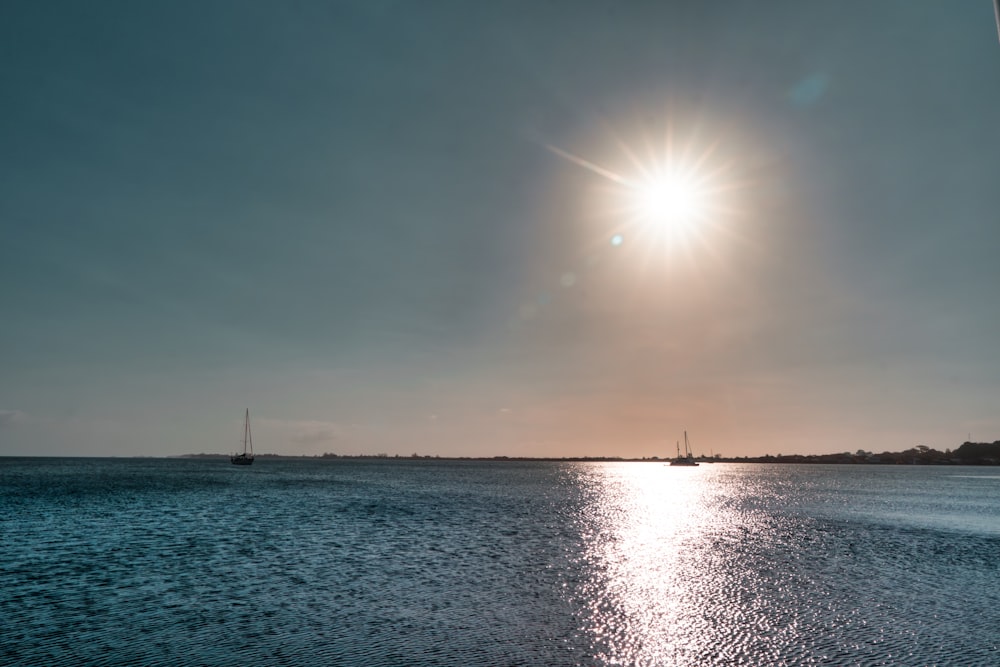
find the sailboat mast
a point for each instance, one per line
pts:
(249, 432)
(246, 430)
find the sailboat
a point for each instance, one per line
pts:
(246, 458)
(688, 458)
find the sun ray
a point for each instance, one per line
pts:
(601, 171)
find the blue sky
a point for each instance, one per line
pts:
(356, 219)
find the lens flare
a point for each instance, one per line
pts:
(662, 196)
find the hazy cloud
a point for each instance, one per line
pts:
(12, 418)
(305, 432)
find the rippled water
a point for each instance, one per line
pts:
(400, 562)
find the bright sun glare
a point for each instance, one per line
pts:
(672, 196)
(669, 203)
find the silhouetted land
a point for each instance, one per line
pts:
(969, 453)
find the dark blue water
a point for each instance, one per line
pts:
(400, 562)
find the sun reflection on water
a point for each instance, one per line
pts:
(651, 534)
(731, 564)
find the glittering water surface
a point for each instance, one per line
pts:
(399, 562)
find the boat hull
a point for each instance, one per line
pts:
(241, 460)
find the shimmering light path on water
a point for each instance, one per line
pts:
(301, 562)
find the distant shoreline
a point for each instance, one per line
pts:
(969, 453)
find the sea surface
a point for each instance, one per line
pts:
(496, 563)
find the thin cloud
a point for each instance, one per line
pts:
(316, 437)
(12, 418)
(304, 432)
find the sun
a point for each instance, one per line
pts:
(670, 203)
(669, 197)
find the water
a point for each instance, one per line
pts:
(400, 562)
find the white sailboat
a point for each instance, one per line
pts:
(246, 458)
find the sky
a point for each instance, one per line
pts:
(416, 227)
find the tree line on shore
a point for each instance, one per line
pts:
(969, 453)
